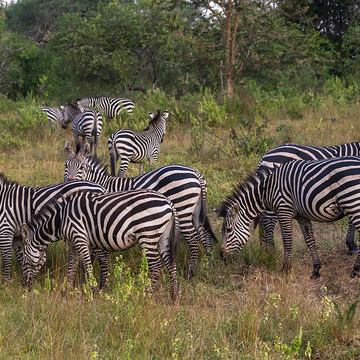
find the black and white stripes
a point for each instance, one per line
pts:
(109, 107)
(324, 190)
(286, 152)
(183, 185)
(132, 146)
(110, 222)
(17, 205)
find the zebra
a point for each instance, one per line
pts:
(134, 147)
(112, 222)
(318, 190)
(110, 107)
(183, 185)
(287, 152)
(54, 114)
(18, 203)
(86, 124)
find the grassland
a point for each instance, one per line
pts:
(248, 309)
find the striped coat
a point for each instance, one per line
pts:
(183, 185)
(111, 222)
(134, 147)
(324, 190)
(18, 203)
(286, 152)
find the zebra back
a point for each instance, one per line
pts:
(54, 115)
(287, 152)
(110, 107)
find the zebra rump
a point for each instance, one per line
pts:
(110, 222)
(323, 190)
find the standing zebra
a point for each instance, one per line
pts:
(18, 203)
(109, 107)
(134, 147)
(86, 124)
(183, 185)
(320, 190)
(282, 154)
(54, 115)
(111, 222)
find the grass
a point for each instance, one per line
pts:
(248, 309)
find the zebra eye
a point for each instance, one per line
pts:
(82, 167)
(228, 230)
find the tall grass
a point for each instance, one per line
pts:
(247, 309)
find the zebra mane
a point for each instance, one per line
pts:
(97, 165)
(4, 180)
(249, 182)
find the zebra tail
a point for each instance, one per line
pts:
(95, 135)
(112, 158)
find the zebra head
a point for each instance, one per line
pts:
(33, 256)
(76, 164)
(239, 209)
(235, 229)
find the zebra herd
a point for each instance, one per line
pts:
(98, 213)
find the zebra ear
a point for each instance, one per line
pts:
(68, 148)
(85, 150)
(165, 114)
(235, 210)
(152, 115)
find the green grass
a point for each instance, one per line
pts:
(248, 309)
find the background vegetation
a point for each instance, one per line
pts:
(294, 79)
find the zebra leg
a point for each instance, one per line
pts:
(192, 238)
(286, 232)
(268, 222)
(124, 165)
(307, 230)
(154, 261)
(103, 258)
(164, 250)
(6, 256)
(72, 269)
(350, 239)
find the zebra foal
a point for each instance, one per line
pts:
(87, 124)
(287, 152)
(134, 147)
(111, 222)
(322, 190)
(18, 203)
(183, 185)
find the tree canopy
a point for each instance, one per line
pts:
(65, 47)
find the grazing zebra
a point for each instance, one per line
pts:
(18, 203)
(111, 222)
(134, 147)
(86, 124)
(282, 154)
(319, 190)
(110, 107)
(54, 115)
(183, 185)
